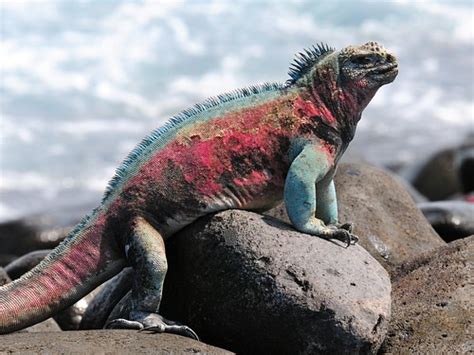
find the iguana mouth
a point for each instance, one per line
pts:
(386, 68)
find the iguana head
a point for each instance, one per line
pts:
(369, 66)
(343, 81)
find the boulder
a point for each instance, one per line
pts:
(103, 342)
(433, 303)
(252, 284)
(446, 173)
(386, 219)
(450, 219)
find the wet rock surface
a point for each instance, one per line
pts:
(450, 219)
(386, 219)
(433, 305)
(251, 284)
(103, 342)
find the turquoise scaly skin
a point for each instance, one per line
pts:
(247, 150)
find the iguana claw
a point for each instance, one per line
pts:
(173, 329)
(343, 232)
(152, 322)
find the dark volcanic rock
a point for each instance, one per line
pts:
(251, 284)
(446, 173)
(386, 219)
(450, 219)
(103, 342)
(436, 177)
(433, 303)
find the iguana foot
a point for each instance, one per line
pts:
(342, 232)
(152, 322)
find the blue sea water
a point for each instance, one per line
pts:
(81, 82)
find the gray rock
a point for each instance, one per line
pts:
(435, 177)
(433, 303)
(389, 224)
(103, 342)
(446, 173)
(251, 284)
(450, 219)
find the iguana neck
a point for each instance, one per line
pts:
(343, 107)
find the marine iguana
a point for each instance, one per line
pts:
(248, 150)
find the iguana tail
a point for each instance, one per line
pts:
(84, 260)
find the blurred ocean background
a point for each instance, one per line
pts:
(81, 82)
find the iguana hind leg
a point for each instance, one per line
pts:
(145, 250)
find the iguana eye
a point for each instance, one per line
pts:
(363, 60)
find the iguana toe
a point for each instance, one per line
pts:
(342, 234)
(152, 322)
(173, 329)
(122, 323)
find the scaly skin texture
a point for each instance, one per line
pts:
(246, 150)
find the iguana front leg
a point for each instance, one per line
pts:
(310, 196)
(145, 250)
